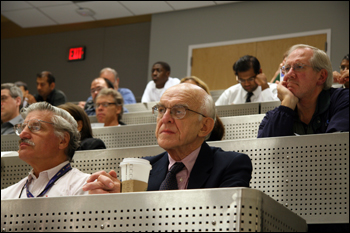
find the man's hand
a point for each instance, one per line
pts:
(31, 98)
(344, 77)
(81, 104)
(287, 98)
(336, 76)
(261, 80)
(102, 182)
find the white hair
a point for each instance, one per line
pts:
(63, 122)
(318, 61)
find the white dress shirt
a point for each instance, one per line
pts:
(237, 95)
(68, 185)
(153, 94)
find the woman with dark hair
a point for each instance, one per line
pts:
(84, 127)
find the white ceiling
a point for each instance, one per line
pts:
(28, 14)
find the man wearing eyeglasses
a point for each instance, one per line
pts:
(11, 97)
(308, 103)
(96, 86)
(185, 118)
(252, 84)
(109, 107)
(48, 140)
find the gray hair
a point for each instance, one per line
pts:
(208, 109)
(110, 70)
(318, 61)
(13, 89)
(118, 98)
(63, 122)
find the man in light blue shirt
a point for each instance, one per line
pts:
(112, 75)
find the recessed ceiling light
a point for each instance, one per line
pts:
(85, 12)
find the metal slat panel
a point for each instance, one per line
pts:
(307, 174)
(225, 209)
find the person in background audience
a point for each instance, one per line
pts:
(277, 75)
(161, 82)
(112, 76)
(109, 107)
(24, 88)
(219, 129)
(11, 98)
(308, 103)
(252, 87)
(48, 140)
(185, 118)
(87, 142)
(96, 86)
(45, 84)
(343, 76)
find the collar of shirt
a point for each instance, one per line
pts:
(188, 161)
(18, 119)
(256, 92)
(47, 173)
(49, 97)
(323, 102)
(244, 93)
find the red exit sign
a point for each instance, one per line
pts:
(76, 54)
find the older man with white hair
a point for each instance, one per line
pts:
(48, 140)
(185, 118)
(309, 105)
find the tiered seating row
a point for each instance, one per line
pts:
(307, 174)
(229, 209)
(144, 134)
(144, 114)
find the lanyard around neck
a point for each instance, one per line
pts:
(58, 175)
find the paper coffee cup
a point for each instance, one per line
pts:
(134, 174)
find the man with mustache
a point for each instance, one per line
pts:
(185, 118)
(48, 140)
(308, 103)
(161, 82)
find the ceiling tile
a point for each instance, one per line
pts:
(180, 5)
(224, 2)
(14, 5)
(48, 3)
(28, 18)
(106, 9)
(146, 7)
(65, 14)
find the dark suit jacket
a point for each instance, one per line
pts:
(213, 168)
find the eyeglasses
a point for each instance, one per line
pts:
(105, 104)
(297, 67)
(4, 98)
(178, 111)
(34, 125)
(251, 79)
(343, 67)
(98, 89)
